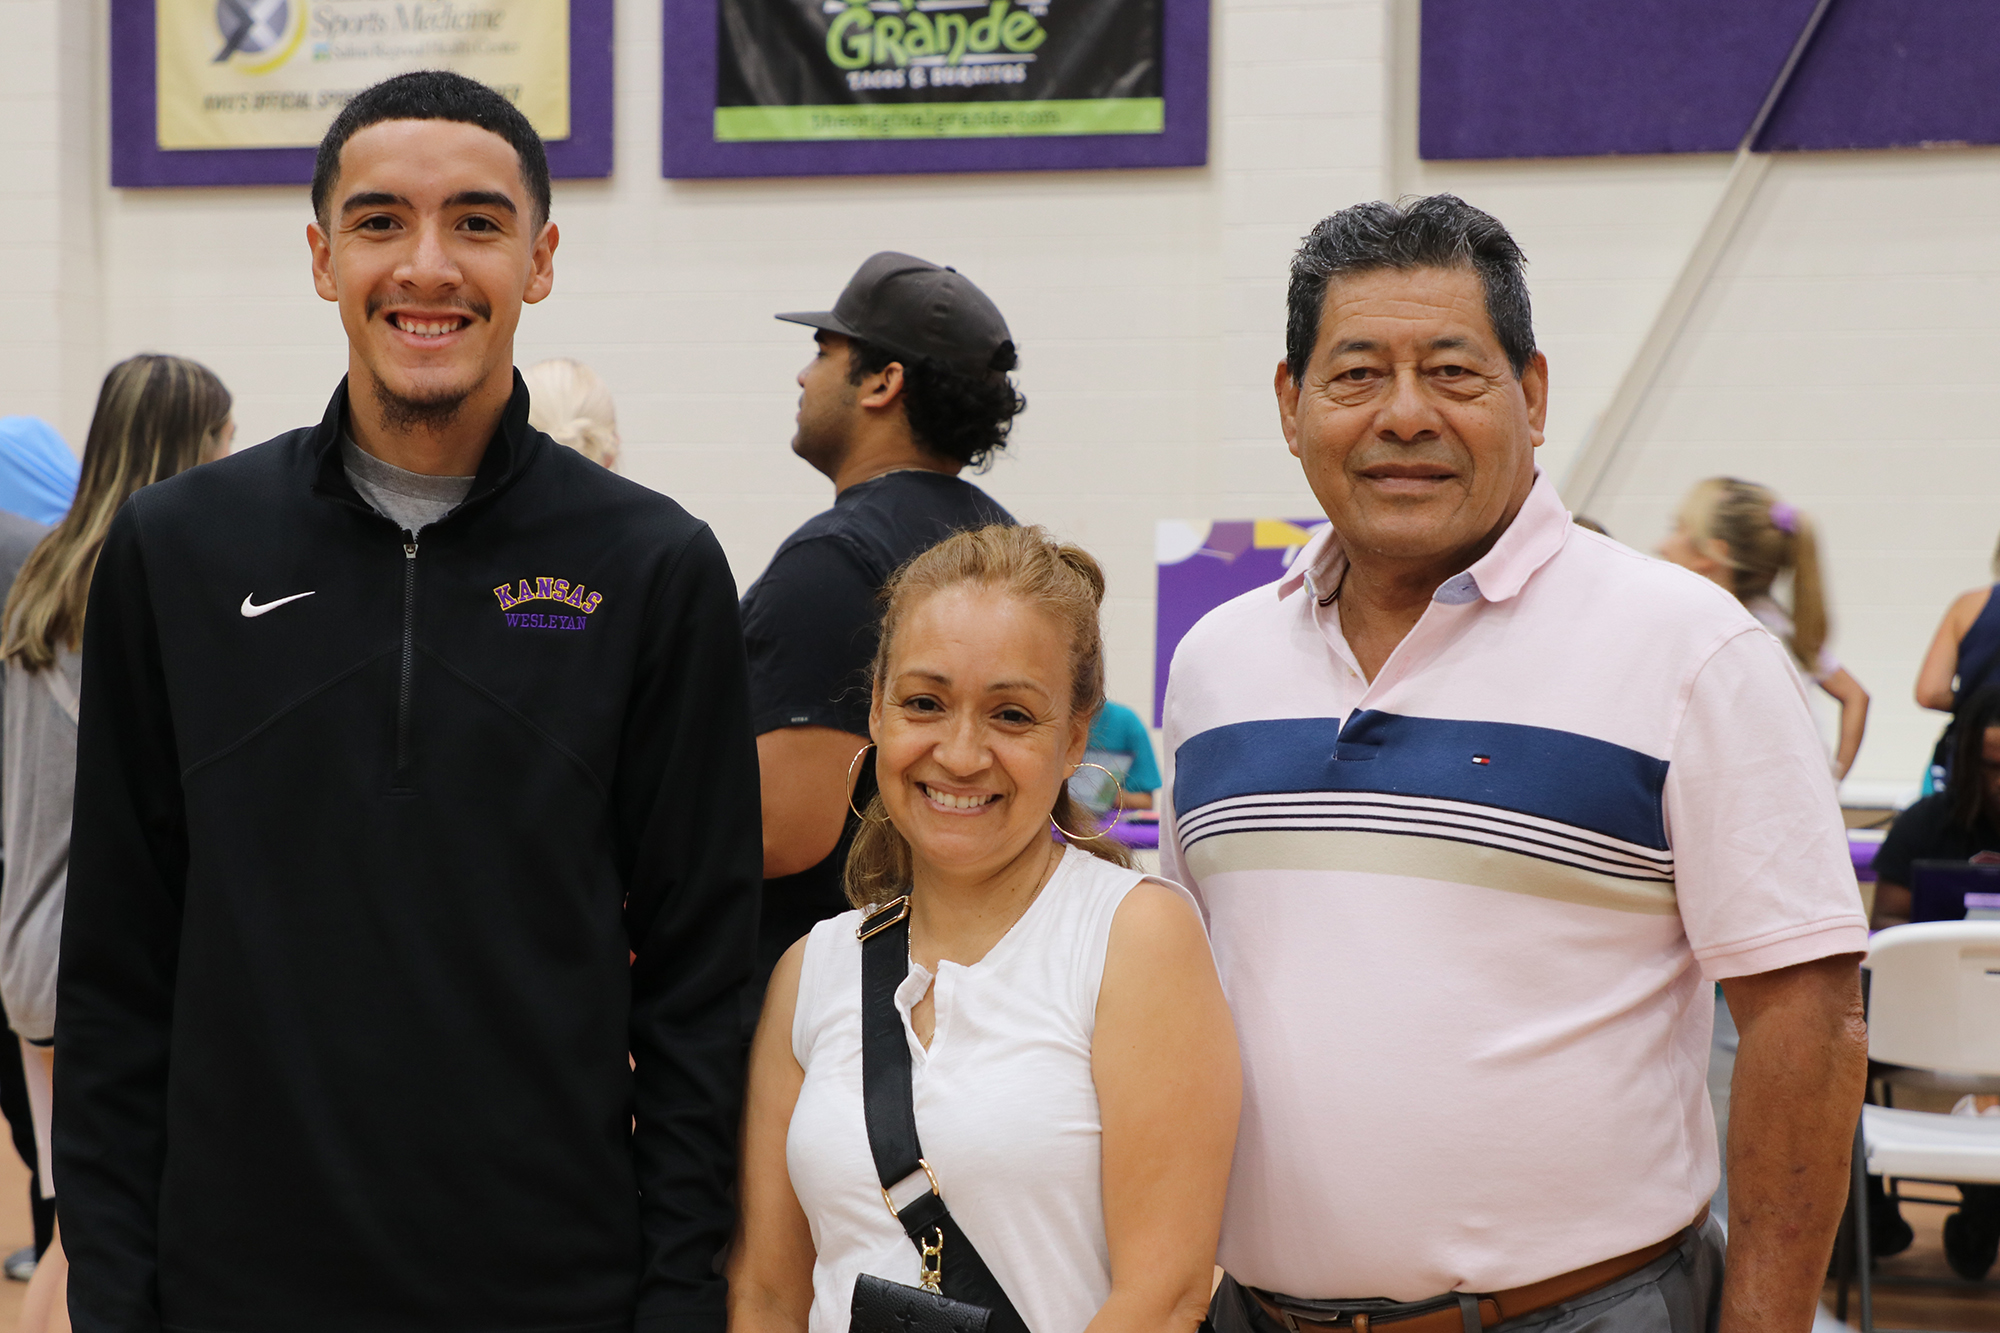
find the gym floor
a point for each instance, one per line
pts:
(1950, 1310)
(16, 1229)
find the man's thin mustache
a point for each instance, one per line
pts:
(477, 309)
(1406, 460)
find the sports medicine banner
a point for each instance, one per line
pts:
(274, 73)
(936, 69)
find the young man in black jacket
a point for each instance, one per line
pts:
(398, 733)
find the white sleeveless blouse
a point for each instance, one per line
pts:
(1006, 1107)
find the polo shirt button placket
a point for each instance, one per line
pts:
(1430, 634)
(1326, 618)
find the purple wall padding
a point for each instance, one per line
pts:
(1579, 78)
(1895, 74)
(138, 160)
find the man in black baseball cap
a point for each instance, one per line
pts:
(909, 387)
(917, 309)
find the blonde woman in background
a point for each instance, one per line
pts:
(569, 404)
(156, 416)
(1742, 536)
(1074, 1071)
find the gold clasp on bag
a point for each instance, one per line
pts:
(883, 917)
(929, 1175)
(933, 1263)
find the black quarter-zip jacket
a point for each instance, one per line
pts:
(366, 823)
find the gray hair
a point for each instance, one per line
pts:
(1434, 231)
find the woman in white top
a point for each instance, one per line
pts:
(1740, 535)
(1074, 1066)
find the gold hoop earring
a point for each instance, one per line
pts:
(1117, 810)
(852, 764)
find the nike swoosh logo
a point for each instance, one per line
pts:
(251, 609)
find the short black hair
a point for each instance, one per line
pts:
(1434, 231)
(432, 94)
(954, 414)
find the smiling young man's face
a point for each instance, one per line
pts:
(431, 245)
(1415, 433)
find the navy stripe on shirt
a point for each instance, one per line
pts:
(1580, 781)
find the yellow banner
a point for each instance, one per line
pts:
(274, 73)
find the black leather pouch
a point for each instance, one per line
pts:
(881, 1306)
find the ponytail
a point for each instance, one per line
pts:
(1808, 595)
(1759, 537)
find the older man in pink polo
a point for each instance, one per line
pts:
(1480, 806)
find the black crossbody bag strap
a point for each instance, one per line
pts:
(892, 1119)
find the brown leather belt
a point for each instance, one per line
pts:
(1498, 1306)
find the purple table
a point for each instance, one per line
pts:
(1862, 844)
(1138, 834)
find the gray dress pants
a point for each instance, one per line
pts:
(1679, 1292)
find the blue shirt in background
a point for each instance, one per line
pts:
(37, 471)
(1119, 741)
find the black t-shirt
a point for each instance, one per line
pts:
(809, 625)
(1927, 832)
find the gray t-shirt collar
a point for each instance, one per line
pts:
(411, 500)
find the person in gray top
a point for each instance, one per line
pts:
(18, 536)
(156, 416)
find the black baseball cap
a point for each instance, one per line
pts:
(916, 309)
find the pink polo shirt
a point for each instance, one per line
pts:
(1468, 914)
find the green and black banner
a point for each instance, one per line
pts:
(936, 69)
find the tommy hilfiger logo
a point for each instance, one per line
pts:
(546, 590)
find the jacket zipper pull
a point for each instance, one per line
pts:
(409, 657)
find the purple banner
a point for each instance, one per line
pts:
(1576, 78)
(689, 147)
(137, 160)
(1203, 565)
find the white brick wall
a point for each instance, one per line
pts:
(1841, 354)
(1844, 357)
(48, 306)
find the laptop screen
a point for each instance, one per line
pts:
(1954, 891)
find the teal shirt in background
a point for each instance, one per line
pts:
(1119, 741)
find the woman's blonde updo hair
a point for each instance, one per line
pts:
(1066, 584)
(1759, 537)
(568, 403)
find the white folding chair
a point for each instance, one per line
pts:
(1934, 1022)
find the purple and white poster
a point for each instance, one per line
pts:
(240, 92)
(1204, 564)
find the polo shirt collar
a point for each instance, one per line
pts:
(1530, 541)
